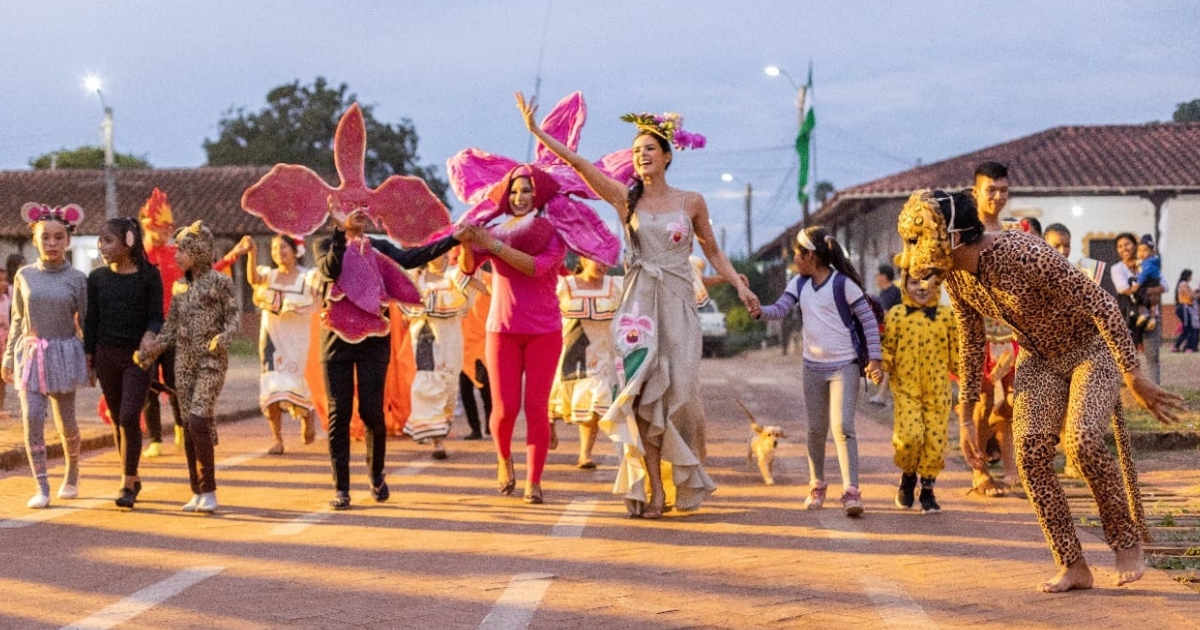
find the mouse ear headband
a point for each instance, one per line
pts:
(69, 214)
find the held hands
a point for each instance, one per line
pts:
(1163, 404)
(874, 371)
(469, 233)
(749, 300)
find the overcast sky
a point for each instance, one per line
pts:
(894, 82)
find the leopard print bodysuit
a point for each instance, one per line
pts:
(1074, 348)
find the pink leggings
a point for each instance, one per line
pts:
(509, 358)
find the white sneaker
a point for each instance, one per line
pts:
(38, 502)
(207, 503)
(190, 506)
(68, 491)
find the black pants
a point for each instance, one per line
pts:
(124, 386)
(466, 390)
(340, 388)
(153, 409)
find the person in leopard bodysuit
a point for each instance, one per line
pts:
(200, 324)
(1074, 351)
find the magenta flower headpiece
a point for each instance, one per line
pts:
(668, 126)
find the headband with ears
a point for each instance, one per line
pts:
(33, 212)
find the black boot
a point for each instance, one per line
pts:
(929, 504)
(904, 497)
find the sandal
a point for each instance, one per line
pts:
(588, 465)
(533, 494)
(506, 478)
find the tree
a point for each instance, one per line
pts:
(85, 157)
(297, 127)
(1188, 112)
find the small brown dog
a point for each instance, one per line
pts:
(762, 445)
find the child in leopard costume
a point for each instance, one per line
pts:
(200, 324)
(1075, 349)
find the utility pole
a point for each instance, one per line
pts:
(749, 236)
(723, 247)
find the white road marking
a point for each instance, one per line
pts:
(53, 512)
(145, 599)
(236, 460)
(411, 469)
(518, 603)
(573, 519)
(895, 607)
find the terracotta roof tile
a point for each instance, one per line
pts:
(209, 193)
(1097, 158)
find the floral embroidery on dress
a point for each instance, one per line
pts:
(678, 230)
(631, 327)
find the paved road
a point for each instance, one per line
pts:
(448, 552)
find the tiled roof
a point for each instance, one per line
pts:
(1098, 158)
(1071, 160)
(210, 193)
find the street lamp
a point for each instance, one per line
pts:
(92, 83)
(775, 71)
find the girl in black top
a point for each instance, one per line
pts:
(124, 310)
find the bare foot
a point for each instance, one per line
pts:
(1076, 575)
(1130, 564)
(654, 508)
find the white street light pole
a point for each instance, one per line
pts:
(110, 175)
(728, 177)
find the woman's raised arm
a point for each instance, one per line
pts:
(609, 189)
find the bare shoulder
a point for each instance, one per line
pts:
(693, 203)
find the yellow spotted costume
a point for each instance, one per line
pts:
(920, 350)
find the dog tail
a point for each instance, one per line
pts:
(753, 421)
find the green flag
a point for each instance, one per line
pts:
(808, 120)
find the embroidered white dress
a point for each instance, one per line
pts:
(435, 328)
(586, 381)
(657, 334)
(287, 311)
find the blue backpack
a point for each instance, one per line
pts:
(857, 334)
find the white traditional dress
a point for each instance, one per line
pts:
(657, 333)
(435, 328)
(586, 381)
(287, 310)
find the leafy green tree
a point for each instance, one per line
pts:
(824, 190)
(1188, 112)
(85, 157)
(297, 127)
(737, 319)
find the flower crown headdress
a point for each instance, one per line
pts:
(69, 214)
(668, 126)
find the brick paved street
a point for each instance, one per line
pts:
(448, 552)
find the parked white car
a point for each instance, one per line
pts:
(712, 326)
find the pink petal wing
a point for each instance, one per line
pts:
(397, 285)
(564, 123)
(569, 182)
(350, 148)
(473, 172)
(290, 199)
(583, 230)
(408, 210)
(360, 281)
(618, 165)
(352, 323)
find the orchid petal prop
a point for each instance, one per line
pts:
(474, 172)
(294, 200)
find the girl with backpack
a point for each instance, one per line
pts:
(840, 334)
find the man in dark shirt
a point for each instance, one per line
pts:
(889, 296)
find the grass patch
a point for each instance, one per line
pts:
(1138, 419)
(243, 347)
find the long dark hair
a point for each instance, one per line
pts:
(830, 253)
(1184, 276)
(635, 191)
(124, 228)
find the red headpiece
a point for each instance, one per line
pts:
(156, 212)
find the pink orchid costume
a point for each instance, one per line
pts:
(360, 277)
(524, 324)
